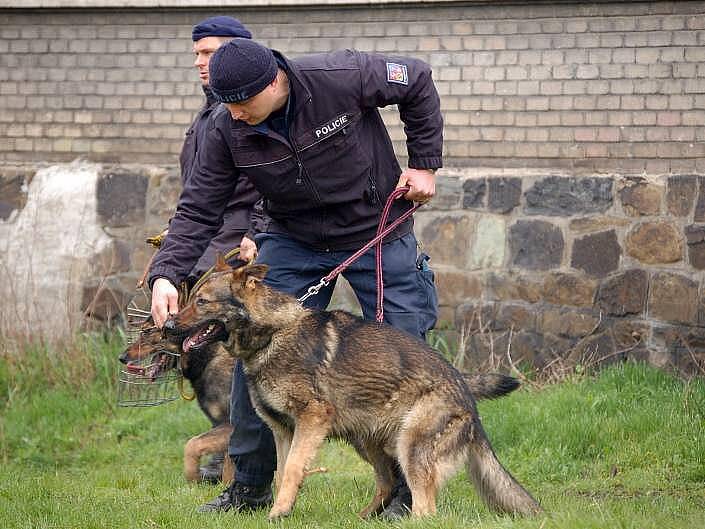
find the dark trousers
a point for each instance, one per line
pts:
(410, 304)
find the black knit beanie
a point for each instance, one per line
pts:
(240, 69)
(220, 26)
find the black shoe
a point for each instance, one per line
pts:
(399, 503)
(239, 497)
(212, 472)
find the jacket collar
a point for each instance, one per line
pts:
(296, 82)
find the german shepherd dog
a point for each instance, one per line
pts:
(313, 375)
(209, 370)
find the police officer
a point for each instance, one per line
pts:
(208, 35)
(308, 134)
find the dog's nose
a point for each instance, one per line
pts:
(123, 358)
(169, 324)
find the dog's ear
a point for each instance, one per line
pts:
(220, 264)
(248, 276)
(254, 274)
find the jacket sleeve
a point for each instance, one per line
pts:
(407, 83)
(200, 209)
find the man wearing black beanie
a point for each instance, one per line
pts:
(208, 35)
(308, 133)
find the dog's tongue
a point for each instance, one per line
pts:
(134, 369)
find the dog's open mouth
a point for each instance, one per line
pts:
(209, 332)
(160, 363)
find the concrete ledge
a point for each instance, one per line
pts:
(56, 4)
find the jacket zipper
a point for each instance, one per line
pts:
(374, 198)
(303, 178)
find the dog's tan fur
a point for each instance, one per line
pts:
(313, 375)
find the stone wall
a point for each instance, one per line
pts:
(546, 265)
(72, 242)
(589, 86)
(551, 266)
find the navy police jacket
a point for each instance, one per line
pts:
(327, 184)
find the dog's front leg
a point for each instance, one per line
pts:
(312, 426)
(211, 442)
(282, 441)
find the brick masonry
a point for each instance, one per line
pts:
(608, 86)
(587, 241)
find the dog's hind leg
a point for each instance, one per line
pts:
(432, 445)
(494, 483)
(428, 465)
(312, 426)
(423, 480)
(384, 477)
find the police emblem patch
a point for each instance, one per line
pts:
(397, 73)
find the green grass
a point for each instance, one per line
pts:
(624, 449)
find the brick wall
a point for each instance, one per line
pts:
(593, 87)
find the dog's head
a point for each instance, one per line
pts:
(152, 354)
(221, 304)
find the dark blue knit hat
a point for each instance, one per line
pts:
(220, 26)
(240, 69)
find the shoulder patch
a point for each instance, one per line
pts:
(397, 73)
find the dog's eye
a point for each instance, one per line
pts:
(201, 301)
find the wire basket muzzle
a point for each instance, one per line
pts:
(149, 382)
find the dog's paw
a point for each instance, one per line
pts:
(277, 513)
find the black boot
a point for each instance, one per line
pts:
(399, 502)
(239, 497)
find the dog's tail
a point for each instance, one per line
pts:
(494, 483)
(490, 385)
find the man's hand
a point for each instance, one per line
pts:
(248, 249)
(165, 300)
(421, 182)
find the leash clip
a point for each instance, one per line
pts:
(314, 289)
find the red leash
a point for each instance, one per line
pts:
(379, 316)
(382, 232)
